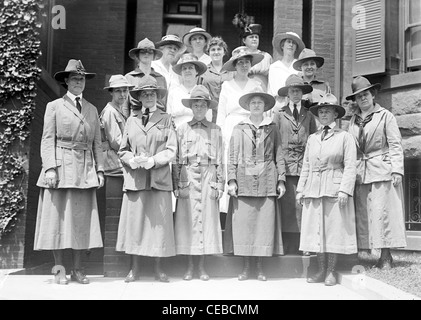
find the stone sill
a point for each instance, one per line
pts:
(401, 80)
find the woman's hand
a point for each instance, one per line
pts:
(176, 193)
(232, 189)
(50, 178)
(220, 194)
(281, 189)
(397, 179)
(101, 179)
(149, 163)
(299, 198)
(343, 199)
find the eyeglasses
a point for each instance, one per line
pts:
(145, 51)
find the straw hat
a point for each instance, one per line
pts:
(200, 92)
(195, 31)
(360, 84)
(306, 55)
(277, 39)
(190, 58)
(73, 66)
(145, 44)
(147, 83)
(295, 81)
(328, 100)
(118, 81)
(257, 92)
(171, 39)
(241, 52)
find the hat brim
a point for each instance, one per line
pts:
(200, 67)
(339, 109)
(159, 91)
(182, 47)
(134, 53)
(306, 88)
(187, 37)
(320, 61)
(276, 42)
(129, 86)
(61, 75)
(376, 86)
(211, 103)
(269, 100)
(255, 59)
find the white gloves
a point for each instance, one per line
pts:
(50, 178)
(141, 162)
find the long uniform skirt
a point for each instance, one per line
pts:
(197, 224)
(67, 219)
(253, 227)
(380, 215)
(146, 225)
(326, 227)
(287, 205)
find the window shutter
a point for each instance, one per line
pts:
(369, 55)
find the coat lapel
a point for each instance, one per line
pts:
(71, 107)
(249, 133)
(377, 119)
(156, 117)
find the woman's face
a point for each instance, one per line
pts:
(257, 106)
(327, 115)
(251, 41)
(198, 43)
(216, 53)
(199, 108)
(146, 56)
(170, 52)
(120, 95)
(148, 98)
(365, 100)
(188, 70)
(289, 46)
(75, 83)
(295, 94)
(243, 65)
(309, 68)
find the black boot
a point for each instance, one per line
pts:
(259, 268)
(246, 270)
(332, 259)
(159, 274)
(321, 274)
(386, 261)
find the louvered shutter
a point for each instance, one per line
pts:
(369, 56)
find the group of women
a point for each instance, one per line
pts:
(250, 138)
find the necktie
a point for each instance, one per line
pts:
(145, 117)
(325, 132)
(295, 113)
(361, 134)
(78, 105)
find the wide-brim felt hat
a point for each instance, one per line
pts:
(277, 39)
(329, 100)
(145, 44)
(306, 55)
(190, 58)
(242, 52)
(360, 84)
(200, 92)
(148, 83)
(270, 101)
(172, 39)
(73, 66)
(295, 81)
(118, 81)
(195, 31)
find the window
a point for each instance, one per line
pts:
(413, 33)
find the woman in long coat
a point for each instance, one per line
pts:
(379, 201)
(72, 170)
(148, 147)
(198, 184)
(256, 176)
(325, 189)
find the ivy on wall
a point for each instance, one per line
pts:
(19, 52)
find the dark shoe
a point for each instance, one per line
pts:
(330, 279)
(259, 267)
(306, 254)
(317, 278)
(321, 275)
(246, 270)
(162, 277)
(384, 264)
(131, 277)
(79, 277)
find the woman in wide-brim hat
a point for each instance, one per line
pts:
(230, 113)
(380, 167)
(255, 158)
(198, 180)
(326, 195)
(196, 41)
(189, 70)
(289, 46)
(294, 81)
(72, 171)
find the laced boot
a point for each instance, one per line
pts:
(159, 274)
(190, 269)
(246, 270)
(259, 268)
(332, 259)
(321, 274)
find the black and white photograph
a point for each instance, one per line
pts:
(210, 158)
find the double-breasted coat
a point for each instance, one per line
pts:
(293, 140)
(199, 176)
(329, 167)
(146, 219)
(379, 205)
(71, 144)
